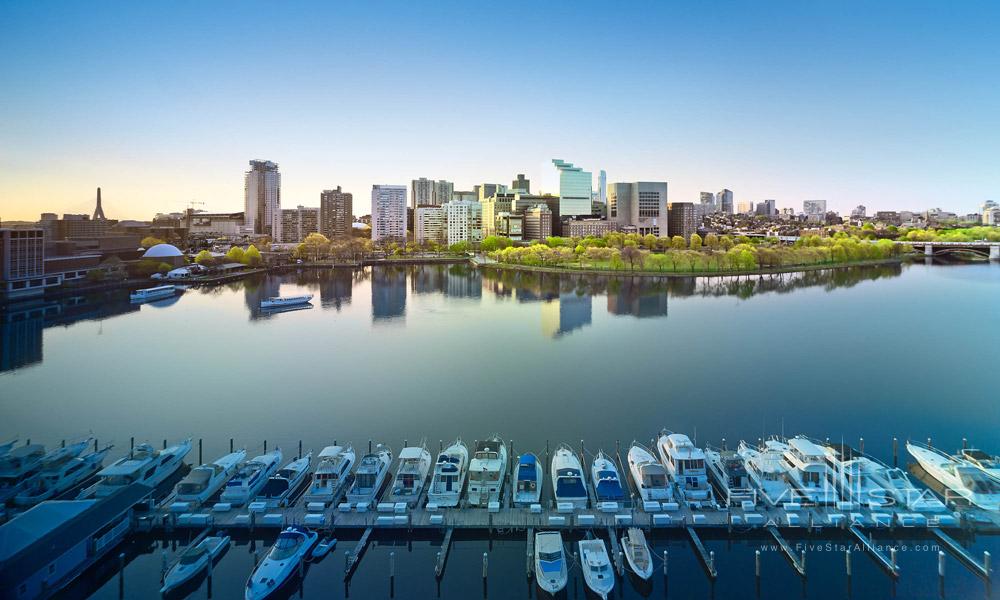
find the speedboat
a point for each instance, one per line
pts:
(281, 486)
(285, 301)
(568, 482)
(851, 475)
(897, 483)
(194, 560)
(153, 293)
(528, 480)
(371, 474)
(292, 547)
(26, 471)
(637, 552)
(203, 482)
(685, 464)
(648, 474)
(487, 470)
(597, 572)
(959, 476)
(986, 463)
(449, 475)
(807, 470)
(768, 472)
(728, 474)
(60, 477)
(550, 562)
(414, 465)
(250, 478)
(142, 465)
(332, 474)
(606, 480)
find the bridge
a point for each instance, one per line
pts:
(985, 249)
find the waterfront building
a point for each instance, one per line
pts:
(510, 226)
(22, 263)
(521, 184)
(578, 227)
(262, 199)
(336, 209)
(681, 219)
(641, 205)
(430, 224)
(214, 224)
(297, 223)
(388, 213)
(574, 189)
(814, 210)
(537, 222)
(725, 201)
(493, 206)
(464, 221)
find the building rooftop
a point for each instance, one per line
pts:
(162, 251)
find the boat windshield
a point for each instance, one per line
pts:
(193, 555)
(274, 488)
(286, 546)
(654, 478)
(570, 487)
(977, 484)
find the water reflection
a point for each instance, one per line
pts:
(388, 293)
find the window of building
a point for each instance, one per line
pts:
(649, 204)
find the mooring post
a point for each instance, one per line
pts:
(392, 566)
(895, 452)
(199, 451)
(965, 444)
(756, 565)
(300, 450)
(929, 443)
(95, 444)
(62, 444)
(230, 445)
(941, 564)
(485, 564)
(163, 566)
(121, 575)
(665, 563)
(369, 446)
(986, 563)
(861, 445)
(253, 519)
(406, 443)
(892, 557)
(802, 561)
(256, 556)
(847, 560)
(440, 445)
(131, 444)
(265, 446)
(711, 560)
(164, 444)
(724, 444)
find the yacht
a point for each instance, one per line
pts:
(728, 473)
(281, 487)
(597, 572)
(292, 548)
(807, 470)
(851, 475)
(959, 476)
(153, 293)
(12, 487)
(986, 463)
(449, 475)
(194, 560)
(637, 553)
(203, 482)
(61, 476)
(551, 573)
(332, 474)
(285, 301)
(649, 475)
(142, 465)
(528, 478)
(487, 470)
(685, 464)
(568, 483)
(411, 474)
(370, 476)
(6, 447)
(768, 472)
(897, 483)
(17, 467)
(250, 479)
(606, 480)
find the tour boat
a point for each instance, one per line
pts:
(551, 573)
(332, 474)
(292, 548)
(281, 487)
(285, 301)
(194, 560)
(685, 464)
(807, 470)
(411, 474)
(597, 572)
(649, 475)
(487, 470)
(153, 293)
(61, 476)
(143, 465)
(250, 478)
(904, 493)
(637, 553)
(528, 478)
(370, 475)
(768, 472)
(986, 463)
(606, 480)
(323, 548)
(959, 476)
(204, 481)
(568, 482)
(851, 475)
(449, 475)
(728, 473)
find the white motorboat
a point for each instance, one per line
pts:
(199, 485)
(807, 470)
(527, 480)
(153, 293)
(332, 474)
(685, 464)
(281, 487)
(143, 465)
(323, 548)
(728, 473)
(606, 480)
(637, 553)
(984, 462)
(959, 476)
(897, 483)
(60, 477)
(551, 573)
(10, 487)
(370, 476)
(851, 475)
(251, 477)
(193, 561)
(19, 466)
(568, 483)
(649, 475)
(6, 447)
(487, 470)
(768, 472)
(285, 301)
(449, 475)
(597, 572)
(292, 547)
(411, 474)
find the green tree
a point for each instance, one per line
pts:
(460, 247)
(492, 243)
(649, 241)
(677, 242)
(236, 254)
(164, 268)
(253, 257)
(150, 241)
(554, 241)
(315, 247)
(712, 241)
(204, 258)
(695, 241)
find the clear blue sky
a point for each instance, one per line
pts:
(889, 104)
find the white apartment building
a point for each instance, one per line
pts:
(464, 221)
(388, 213)
(430, 224)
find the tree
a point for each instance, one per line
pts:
(649, 241)
(236, 254)
(712, 241)
(253, 257)
(632, 255)
(492, 243)
(204, 259)
(150, 241)
(460, 247)
(695, 241)
(315, 246)
(677, 242)
(554, 241)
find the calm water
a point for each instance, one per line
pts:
(434, 352)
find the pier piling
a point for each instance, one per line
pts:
(485, 564)
(121, 575)
(199, 451)
(300, 450)
(965, 444)
(929, 443)
(440, 445)
(392, 568)
(724, 444)
(131, 444)
(895, 452)
(986, 563)
(861, 445)
(369, 446)
(892, 557)
(164, 444)
(95, 444)
(265, 446)
(163, 566)
(62, 444)
(664, 564)
(756, 565)
(847, 561)
(230, 445)
(941, 564)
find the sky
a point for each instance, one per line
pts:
(894, 105)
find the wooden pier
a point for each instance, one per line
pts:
(788, 551)
(963, 555)
(355, 557)
(707, 560)
(887, 564)
(443, 554)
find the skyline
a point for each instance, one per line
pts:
(893, 107)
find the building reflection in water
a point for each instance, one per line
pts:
(638, 298)
(454, 281)
(388, 293)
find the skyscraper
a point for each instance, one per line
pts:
(335, 213)
(521, 184)
(816, 209)
(574, 189)
(602, 187)
(421, 192)
(388, 213)
(297, 223)
(682, 220)
(641, 205)
(725, 201)
(443, 192)
(262, 195)
(537, 222)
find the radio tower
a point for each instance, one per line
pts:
(99, 211)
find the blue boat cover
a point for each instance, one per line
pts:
(570, 487)
(609, 490)
(550, 566)
(528, 459)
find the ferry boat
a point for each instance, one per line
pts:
(250, 478)
(153, 293)
(649, 475)
(142, 465)
(685, 464)
(808, 470)
(332, 474)
(984, 462)
(370, 476)
(606, 480)
(281, 487)
(637, 553)
(959, 476)
(193, 561)
(449, 475)
(204, 481)
(597, 572)
(768, 472)
(728, 473)
(285, 301)
(528, 480)
(568, 482)
(411, 474)
(487, 470)
(551, 573)
(292, 547)
(851, 475)
(60, 477)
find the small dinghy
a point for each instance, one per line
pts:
(596, 567)
(637, 553)
(323, 548)
(194, 560)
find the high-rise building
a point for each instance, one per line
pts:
(766, 208)
(510, 226)
(262, 195)
(336, 216)
(641, 206)
(708, 198)
(602, 187)
(388, 213)
(464, 221)
(537, 222)
(859, 212)
(744, 207)
(297, 223)
(430, 224)
(574, 189)
(725, 201)
(470, 195)
(421, 192)
(682, 220)
(491, 207)
(814, 209)
(443, 192)
(485, 190)
(521, 184)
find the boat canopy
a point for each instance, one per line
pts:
(330, 452)
(413, 453)
(608, 488)
(275, 487)
(526, 470)
(570, 486)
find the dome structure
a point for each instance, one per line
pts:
(163, 251)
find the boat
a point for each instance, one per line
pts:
(153, 293)
(958, 476)
(281, 487)
(250, 479)
(984, 462)
(60, 477)
(6, 447)
(202, 482)
(29, 469)
(285, 301)
(808, 471)
(528, 480)
(323, 548)
(143, 465)
(685, 464)
(851, 475)
(487, 470)
(332, 474)
(637, 553)
(193, 561)
(606, 480)
(768, 473)
(551, 573)
(411, 474)
(450, 471)
(568, 482)
(597, 572)
(898, 484)
(370, 476)
(728, 473)
(282, 560)
(19, 466)
(649, 475)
